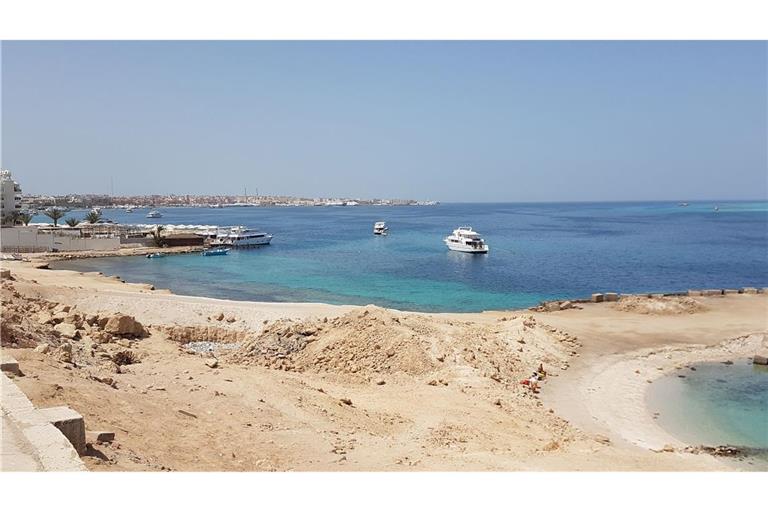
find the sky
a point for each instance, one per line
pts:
(448, 121)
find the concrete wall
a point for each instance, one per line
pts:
(29, 239)
(30, 441)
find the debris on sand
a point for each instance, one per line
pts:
(660, 305)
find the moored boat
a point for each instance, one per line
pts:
(216, 251)
(154, 214)
(241, 236)
(156, 255)
(466, 239)
(380, 228)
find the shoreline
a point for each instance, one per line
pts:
(619, 408)
(548, 305)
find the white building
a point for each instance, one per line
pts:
(10, 197)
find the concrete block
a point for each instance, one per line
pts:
(749, 290)
(694, 293)
(30, 441)
(10, 365)
(710, 293)
(597, 297)
(70, 423)
(730, 291)
(611, 297)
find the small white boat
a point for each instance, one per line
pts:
(154, 214)
(129, 210)
(241, 236)
(380, 228)
(466, 239)
(156, 255)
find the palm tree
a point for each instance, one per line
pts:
(10, 218)
(54, 214)
(93, 217)
(25, 218)
(72, 222)
(156, 234)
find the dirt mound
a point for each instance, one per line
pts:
(660, 305)
(18, 327)
(373, 340)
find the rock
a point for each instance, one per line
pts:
(566, 305)
(67, 330)
(211, 362)
(124, 325)
(380, 382)
(758, 359)
(432, 383)
(497, 402)
(602, 439)
(5, 274)
(42, 348)
(231, 319)
(64, 353)
(346, 401)
(668, 448)
(219, 317)
(102, 436)
(45, 318)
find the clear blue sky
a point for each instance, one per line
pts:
(452, 121)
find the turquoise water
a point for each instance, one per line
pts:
(538, 252)
(717, 404)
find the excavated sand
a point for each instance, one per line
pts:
(660, 305)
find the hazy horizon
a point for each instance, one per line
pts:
(506, 121)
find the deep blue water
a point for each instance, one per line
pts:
(538, 252)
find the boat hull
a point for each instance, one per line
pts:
(244, 244)
(460, 247)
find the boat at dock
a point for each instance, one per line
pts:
(241, 236)
(466, 239)
(380, 228)
(216, 251)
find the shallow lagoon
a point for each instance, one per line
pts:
(717, 404)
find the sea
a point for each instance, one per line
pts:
(538, 251)
(717, 404)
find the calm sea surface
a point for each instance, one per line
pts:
(716, 404)
(538, 252)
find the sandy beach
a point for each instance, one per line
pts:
(322, 387)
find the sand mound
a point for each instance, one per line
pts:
(373, 340)
(660, 305)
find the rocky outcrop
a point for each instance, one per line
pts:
(124, 325)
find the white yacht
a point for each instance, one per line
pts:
(241, 236)
(380, 228)
(154, 214)
(465, 239)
